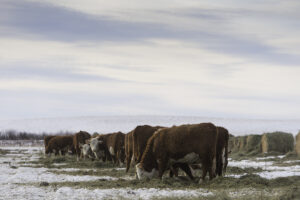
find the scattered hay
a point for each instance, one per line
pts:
(297, 146)
(277, 142)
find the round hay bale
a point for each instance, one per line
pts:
(231, 143)
(297, 146)
(253, 143)
(277, 142)
(242, 143)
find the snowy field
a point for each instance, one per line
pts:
(22, 177)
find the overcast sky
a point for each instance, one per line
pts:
(237, 59)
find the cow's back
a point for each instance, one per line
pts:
(178, 141)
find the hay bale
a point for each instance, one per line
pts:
(253, 144)
(297, 146)
(231, 143)
(242, 142)
(277, 142)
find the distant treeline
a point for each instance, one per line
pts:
(15, 135)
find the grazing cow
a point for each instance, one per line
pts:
(97, 147)
(80, 138)
(47, 139)
(222, 151)
(129, 149)
(180, 144)
(103, 150)
(59, 143)
(116, 147)
(86, 151)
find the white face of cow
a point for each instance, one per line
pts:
(85, 149)
(94, 144)
(143, 174)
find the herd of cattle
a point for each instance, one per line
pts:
(153, 149)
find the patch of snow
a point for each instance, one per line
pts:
(127, 193)
(248, 163)
(277, 174)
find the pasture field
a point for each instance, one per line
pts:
(27, 174)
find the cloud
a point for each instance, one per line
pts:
(50, 22)
(227, 30)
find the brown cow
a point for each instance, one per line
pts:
(78, 139)
(116, 147)
(59, 143)
(47, 139)
(180, 144)
(128, 149)
(222, 151)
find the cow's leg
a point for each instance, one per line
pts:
(56, 152)
(212, 168)
(173, 171)
(78, 153)
(128, 161)
(162, 165)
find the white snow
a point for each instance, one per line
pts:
(270, 170)
(127, 193)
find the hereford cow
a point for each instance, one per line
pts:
(86, 151)
(80, 138)
(180, 144)
(98, 148)
(116, 147)
(103, 149)
(129, 149)
(222, 151)
(59, 143)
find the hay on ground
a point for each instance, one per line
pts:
(253, 144)
(277, 142)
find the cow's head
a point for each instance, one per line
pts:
(143, 174)
(47, 151)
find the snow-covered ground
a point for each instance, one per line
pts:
(18, 182)
(270, 171)
(106, 124)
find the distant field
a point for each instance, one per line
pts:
(27, 174)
